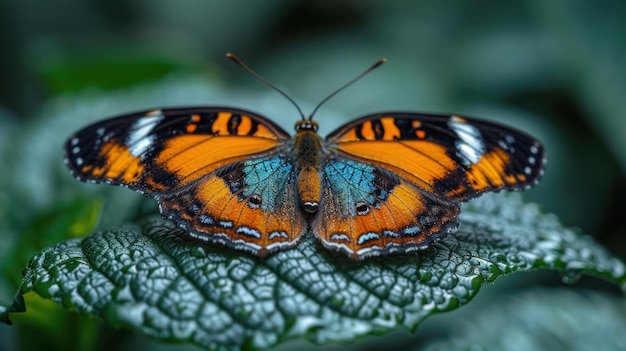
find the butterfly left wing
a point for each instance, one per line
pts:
(394, 182)
(162, 150)
(212, 170)
(248, 205)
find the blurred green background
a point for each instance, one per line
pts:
(552, 68)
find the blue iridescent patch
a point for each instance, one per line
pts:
(267, 177)
(350, 182)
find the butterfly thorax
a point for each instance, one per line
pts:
(307, 151)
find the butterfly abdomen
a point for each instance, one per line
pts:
(307, 150)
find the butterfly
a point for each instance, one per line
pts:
(390, 182)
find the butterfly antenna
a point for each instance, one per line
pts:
(371, 68)
(264, 81)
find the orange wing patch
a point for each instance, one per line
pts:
(383, 128)
(490, 171)
(213, 213)
(117, 164)
(420, 161)
(190, 157)
(404, 222)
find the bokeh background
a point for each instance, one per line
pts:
(552, 68)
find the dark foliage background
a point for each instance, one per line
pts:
(555, 69)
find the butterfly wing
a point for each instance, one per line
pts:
(367, 210)
(394, 181)
(213, 171)
(454, 158)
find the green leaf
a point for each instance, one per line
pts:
(73, 219)
(152, 278)
(56, 328)
(543, 319)
(110, 67)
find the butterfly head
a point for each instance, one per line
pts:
(306, 124)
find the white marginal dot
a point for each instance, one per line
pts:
(74, 141)
(509, 139)
(534, 149)
(79, 161)
(100, 131)
(75, 150)
(527, 170)
(531, 160)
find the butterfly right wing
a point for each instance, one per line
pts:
(453, 158)
(212, 170)
(393, 182)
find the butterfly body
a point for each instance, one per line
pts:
(307, 151)
(385, 183)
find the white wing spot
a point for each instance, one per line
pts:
(225, 224)
(278, 234)
(470, 144)
(411, 230)
(140, 140)
(340, 237)
(531, 160)
(79, 161)
(527, 170)
(74, 141)
(391, 234)
(249, 232)
(468, 152)
(207, 220)
(369, 236)
(75, 150)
